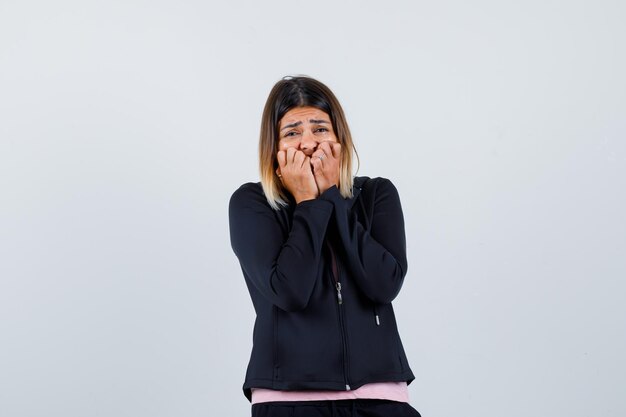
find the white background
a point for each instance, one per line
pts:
(126, 125)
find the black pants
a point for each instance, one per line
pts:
(340, 408)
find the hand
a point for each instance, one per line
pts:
(294, 170)
(326, 161)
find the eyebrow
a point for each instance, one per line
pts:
(291, 125)
(313, 121)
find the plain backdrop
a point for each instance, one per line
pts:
(125, 126)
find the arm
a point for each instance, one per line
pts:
(375, 258)
(282, 265)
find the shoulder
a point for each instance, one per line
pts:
(248, 194)
(377, 191)
(249, 188)
(369, 185)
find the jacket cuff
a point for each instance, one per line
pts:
(333, 196)
(315, 204)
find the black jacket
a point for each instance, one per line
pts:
(298, 263)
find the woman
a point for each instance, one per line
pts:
(323, 255)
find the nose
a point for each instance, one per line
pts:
(309, 143)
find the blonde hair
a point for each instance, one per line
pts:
(289, 93)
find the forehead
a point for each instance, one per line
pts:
(303, 114)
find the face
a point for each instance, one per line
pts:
(304, 128)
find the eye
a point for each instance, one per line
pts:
(291, 133)
(321, 130)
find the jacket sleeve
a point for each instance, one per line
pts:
(376, 258)
(282, 265)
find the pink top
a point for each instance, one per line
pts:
(394, 391)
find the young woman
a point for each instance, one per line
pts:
(323, 255)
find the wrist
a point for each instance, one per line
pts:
(301, 198)
(328, 187)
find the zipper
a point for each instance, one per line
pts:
(344, 341)
(376, 316)
(336, 275)
(339, 297)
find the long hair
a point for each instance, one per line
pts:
(289, 93)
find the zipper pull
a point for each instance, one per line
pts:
(339, 297)
(377, 320)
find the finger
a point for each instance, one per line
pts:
(316, 163)
(291, 152)
(308, 162)
(319, 154)
(281, 157)
(336, 149)
(324, 147)
(298, 159)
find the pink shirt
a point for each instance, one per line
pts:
(394, 391)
